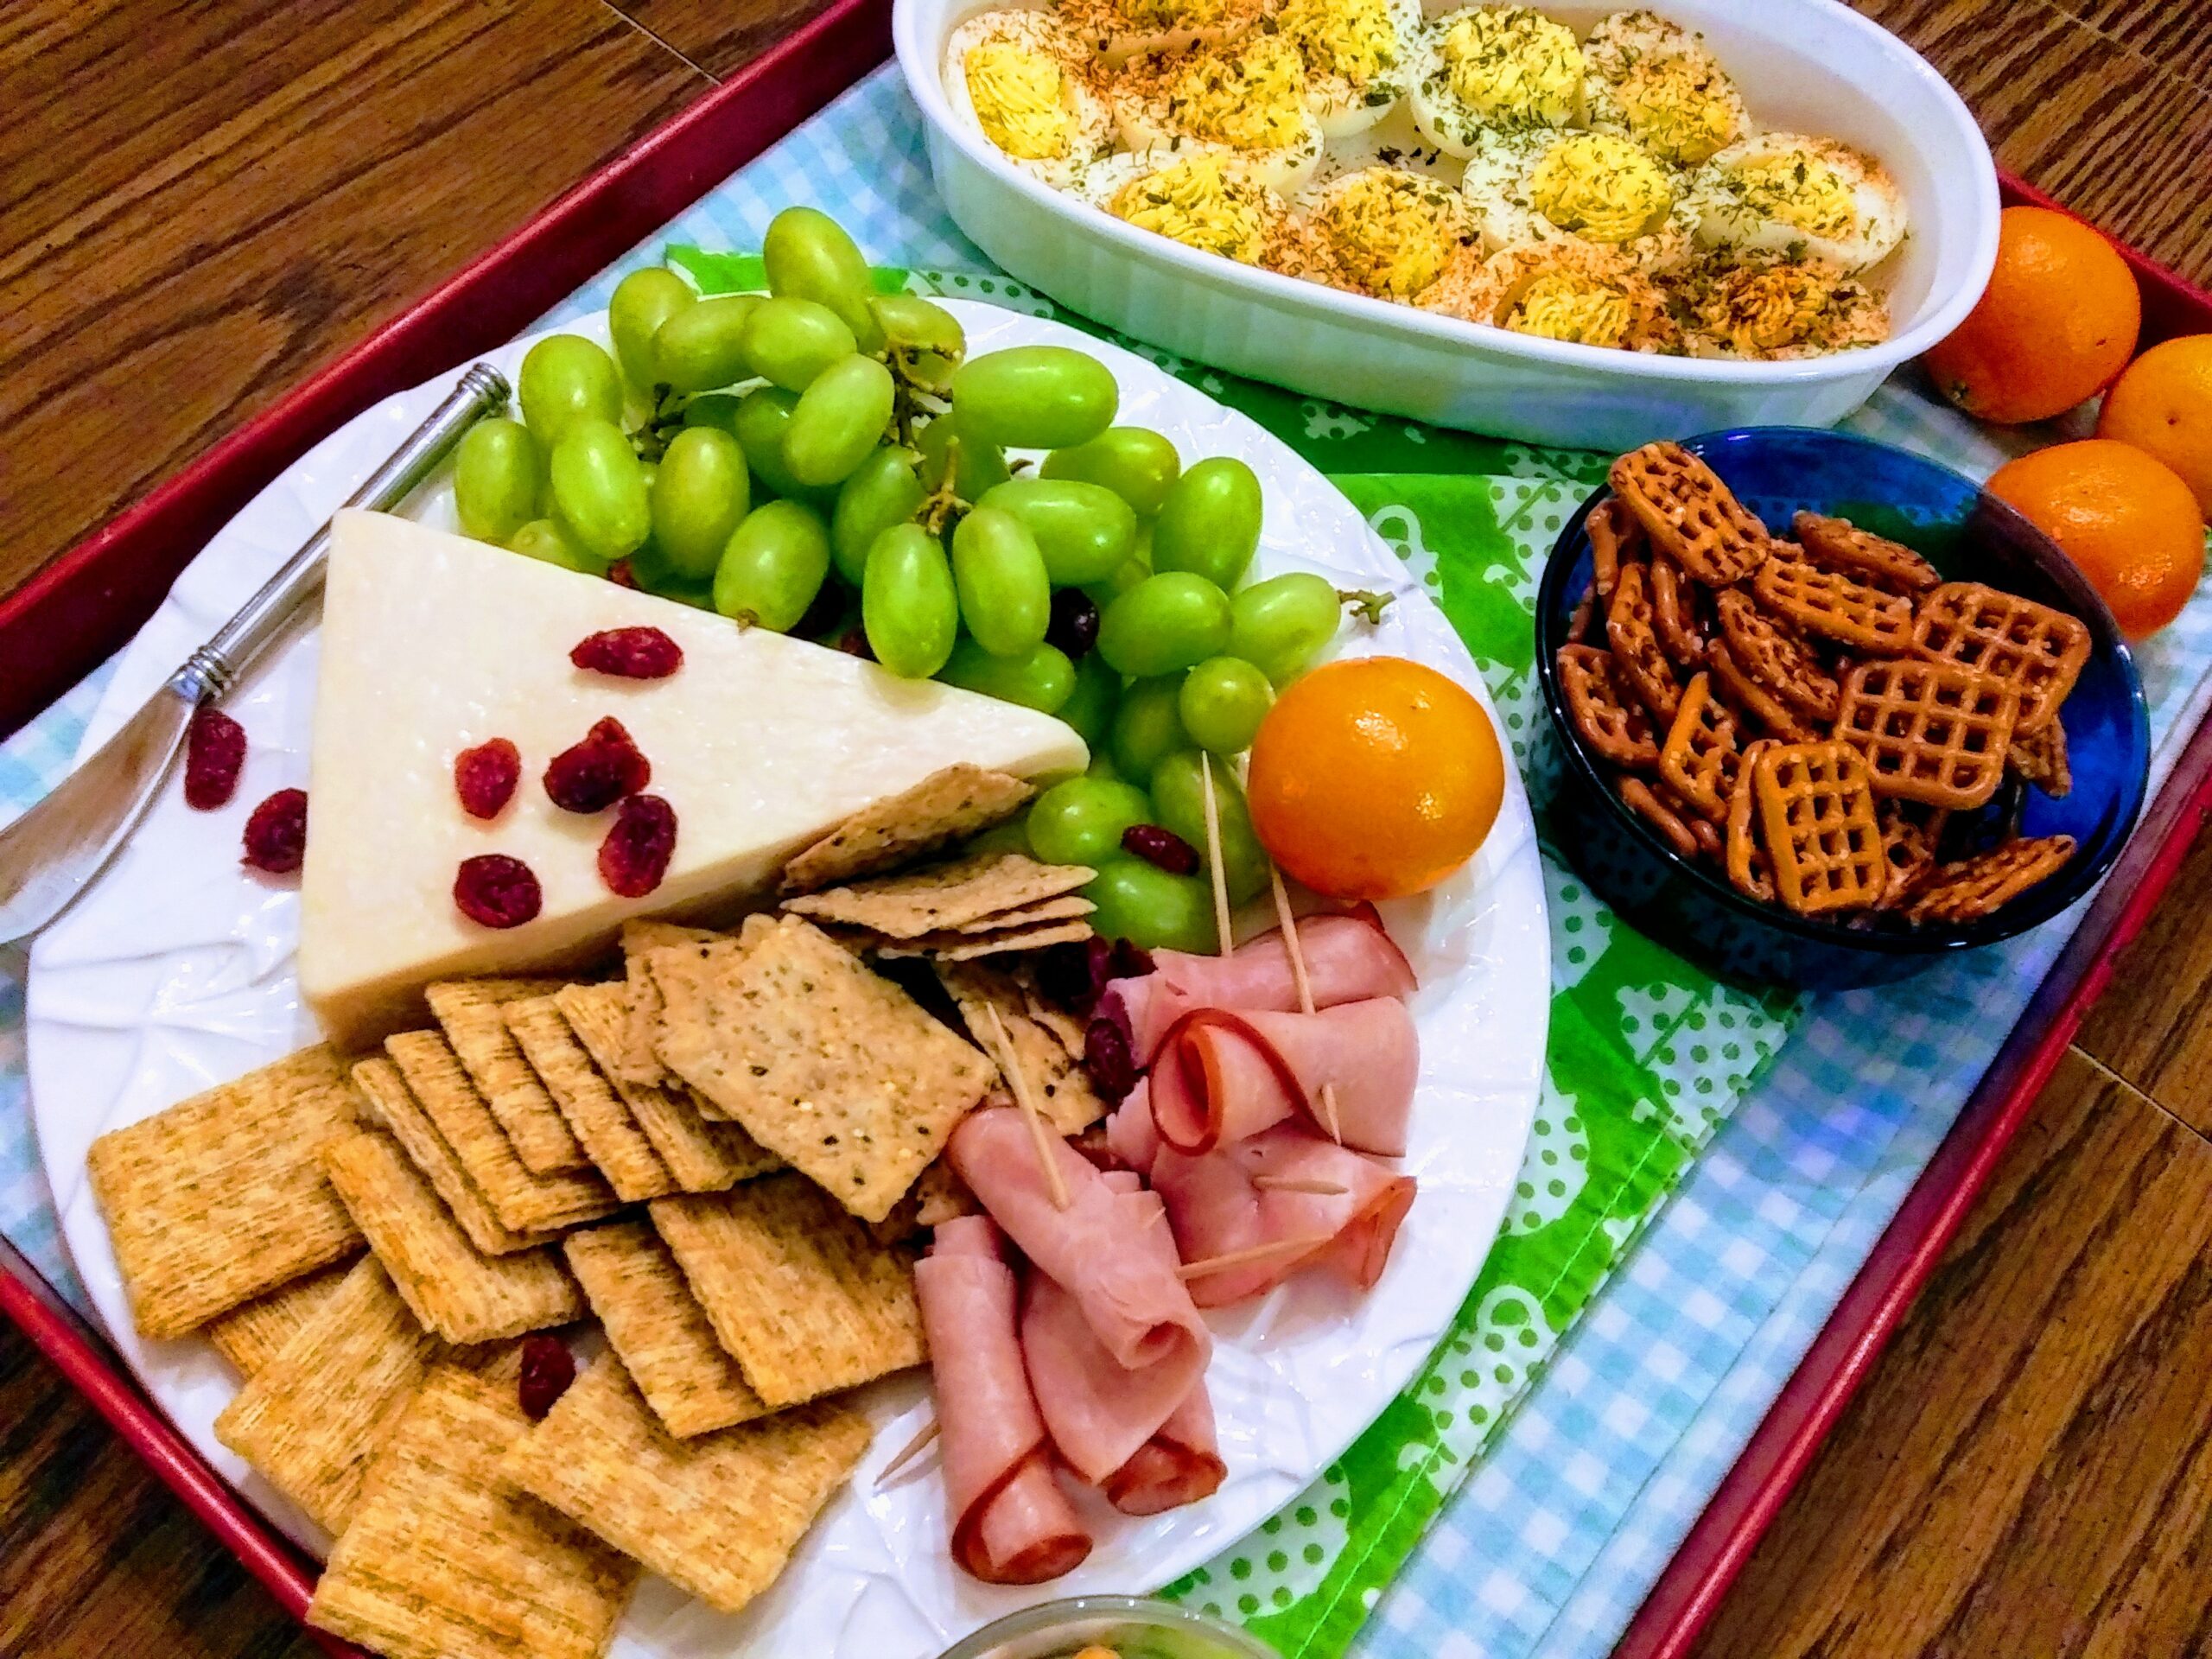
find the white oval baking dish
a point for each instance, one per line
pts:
(1815, 66)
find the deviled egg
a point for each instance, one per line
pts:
(1246, 99)
(1119, 29)
(1023, 80)
(1770, 309)
(1483, 68)
(1205, 199)
(1652, 80)
(1565, 290)
(1358, 57)
(1783, 193)
(1383, 231)
(1592, 186)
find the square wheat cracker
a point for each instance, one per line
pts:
(947, 806)
(309, 1420)
(800, 1293)
(608, 1131)
(973, 947)
(253, 1333)
(392, 1107)
(824, 1062)
(658, 1330)
(468, 1011)
(444, 1562)
(1060, 1087)
(1067, 908)
(636, 1062)
(220, 1197)
(942, 897)
(718, 1515)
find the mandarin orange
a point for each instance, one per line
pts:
(2128, 521)
(2162, 403)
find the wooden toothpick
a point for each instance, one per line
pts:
(1293, 943)
(1224, 944)
(912, 1449)
(1257, 1253)
(1017, 1079)
(1299, 1184)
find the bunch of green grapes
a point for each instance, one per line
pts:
(825, 460)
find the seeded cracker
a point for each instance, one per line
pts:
(220, 1197)
(391, 1106)
(610, 1134)
(971, 947)
(1069, 908)
(525, 1202)
(1060, 1087)
(797, 1290)
(718, 1515)
(700, 1156)
(636, 1062)
(310, 1419)
(658, 1330)
(944, 807)
(444, 1562)
(467, 1010)
(251, 1334)
(824, 1062)
(942, 897)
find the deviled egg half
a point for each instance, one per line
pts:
(1564, 290)
(1024, 81)
(1358, 56)
(1600, 187)
(1205, 199)
(1382, 230)
(1783, 193)
(1652, 80)
(1770, 309)
(1245, 99)
(1485, 68)
(1118, 29)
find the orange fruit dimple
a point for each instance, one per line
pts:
(2127, 520)
(2057, 321)
(1375, 778)
(2162, 403)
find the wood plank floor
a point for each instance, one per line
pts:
(202, 200)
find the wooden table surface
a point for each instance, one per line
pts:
(203, 201)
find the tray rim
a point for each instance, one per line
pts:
(82, 604)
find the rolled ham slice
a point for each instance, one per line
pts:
(1216, 1209)
(1108, 1249)
(1179, 1465)
(1348, 959)
(1221, 1075)
(1011, 1521)
(1131, 1133)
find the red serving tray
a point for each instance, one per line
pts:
(88, 602)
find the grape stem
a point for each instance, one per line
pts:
(1367, 604)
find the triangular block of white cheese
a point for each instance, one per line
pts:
(432, 643)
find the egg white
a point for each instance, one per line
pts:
(1090, 122)
(1342, 104)
(1144, 98)
(1119, 29)
(1731, 196)
(1636, 58)
(1107, 181)
(1454, 125)
(1346, 258)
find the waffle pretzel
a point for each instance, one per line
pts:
(1775, 657)
(1817, 805)
(1838, 545)
(1690, 515)
(1983, 885)
(1748, 696)
(1616, 539)
(2040, 652)
(1839, 606)
(1674, 614)
(2040, 759)
(1633, 632)
(1930, 732)
(1749, 871)
(1907, 847)
(1612, 722)
(1702, 754)
(1645, 802)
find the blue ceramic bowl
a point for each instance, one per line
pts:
(1968, 535)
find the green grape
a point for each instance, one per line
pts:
(499, 478)
(837, 421)
(1222, 702)
(566, 378)
(717, 409)
(1166, 622)
(643, 301)
(1041, 678)
(773, 565)
(915, 324)
(881, 491)
(1090, 708)
(1035, 396)
(700, 492)
(791, 342)
(763, 416)
(703, 345)
(1150, 908)
(1081, 821)
(544, 539)
(652, 573)
(1147, 727)
(1209, 522)
(1011, 836)
(981, 468)
(1005, 597)
(808, 256)
(599, 489)
(908, 604)
(1179, 800)
(1084, 530)
(1279, 625)
(1136, 462)
(1101, 765)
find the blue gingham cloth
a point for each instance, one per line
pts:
(1554, 1542)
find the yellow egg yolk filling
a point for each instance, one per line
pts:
(1393, 236)
(1351, 38)
(1252, 99)
(1020, 99)
(1802, 191)
(1200, 203)
(1562, 305)
(1514, 67)
(1601, 187)
(1674, 105)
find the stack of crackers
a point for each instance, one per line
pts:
(1816, 718)
(719, 1157)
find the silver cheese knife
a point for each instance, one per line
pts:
(50, 855)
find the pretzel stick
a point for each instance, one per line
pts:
(1257, 1253)
(1330, 1119)
(912, 1449)
(1224, 944)
(1298, 1184)
(1010, 1063)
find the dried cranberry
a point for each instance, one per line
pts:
(485, 776)
(621, 575)
(1131, 960)
(1107, 1056)
(276, 832)
(214, 753)
(1074, 627)
(853, 643)
(591, 776)
(1162, 847)
(548, 1367)
(1073, 974)
(635, 854)
(493, 890)
(629, 654)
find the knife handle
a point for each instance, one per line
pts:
(210, 671)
